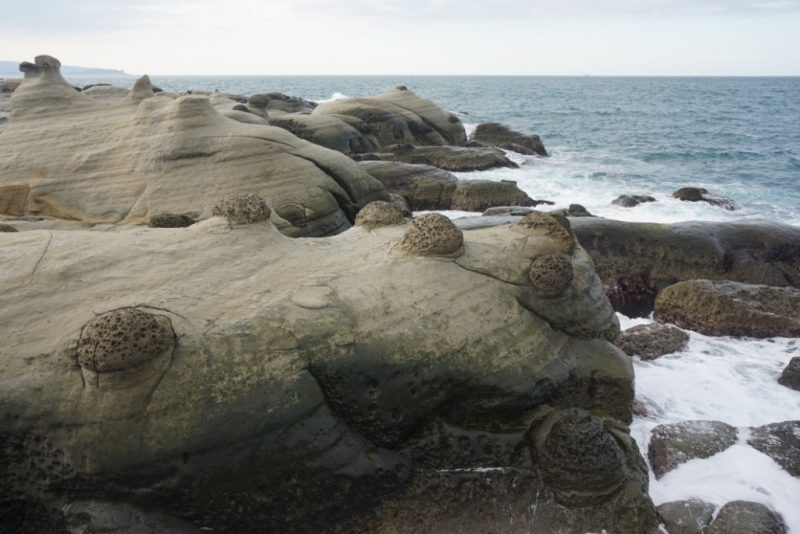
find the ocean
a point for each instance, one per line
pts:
(607, 136)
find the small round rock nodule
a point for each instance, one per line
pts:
(555, 227)
(242, 209)
(124, 339)
(431, 234)
(551, 275)
(379, 213)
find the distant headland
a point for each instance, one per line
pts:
(11, 68)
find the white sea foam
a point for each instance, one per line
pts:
(335, 96)
(724, 379)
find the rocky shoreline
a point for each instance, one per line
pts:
(218, 315)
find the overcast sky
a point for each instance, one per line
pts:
(501, 37)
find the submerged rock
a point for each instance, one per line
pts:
(630, 201)
(790, 377)
(745, 517)
(699, 194)
(650, 341)
(501, 136)
(781, 442)
(637, 260)
(730, 309)
(677, 443)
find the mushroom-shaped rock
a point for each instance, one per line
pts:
(558, 228)
(677, 443)
(580, 462)
(123, 340)
(242, 209)
(649, 341)
(171, 220)
(551, 275)
(431, 234)
(379, 213)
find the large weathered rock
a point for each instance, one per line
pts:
(65, 154)
(790, 377)
(699, 194)
(649, 341)
(280, 102)
(478, 195)
(311, 382)
(423, 186)
(781, 442)
(324, 130)
(677, 443)
(398, 116)
(501, 136)
(686, 517)
(744, 517)
(730, 309)
(451, 158)
(637, 260)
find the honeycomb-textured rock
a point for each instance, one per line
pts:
(242, 209)
(551, 275)
(379, 213)
(538, 223)
(431, 234)
(124, 339)
(170, 220)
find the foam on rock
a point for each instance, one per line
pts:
(124, 339)
(379, 213)
(242, 209)
(431, 234)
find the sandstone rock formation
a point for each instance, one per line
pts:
(449, 158)
(730, 309)
(67, 155)
(380, 213)
(354, 382)
(324, 130)
(677, 443)
(650, 341)
(637, 260)
(398, 116)
(501, 136)
(574, 210)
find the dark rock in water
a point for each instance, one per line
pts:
(649, 341)
(674, 444)
(452, 158)
(501, 136)
(478, 195)
(699, 194)
(730, 309)
(423, 186)
(95, 517)
(637, 260)
(629, 201)
(170, 220)
(574, 210)
(790, 377)
(745, 517)
(686, 517)
(7, 228)
(781, 442)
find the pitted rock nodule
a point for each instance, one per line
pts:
(538, 223)
(170, 220)
(551, 275)
(431, 234)
(124, 339)
(379, 213)
(242, 209)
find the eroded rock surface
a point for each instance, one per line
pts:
(379, 213)
(686, 517)
(501, 136)
(650, 341)
(744, 517)
(677, 443)
(781, 442)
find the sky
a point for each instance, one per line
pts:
(445, 37)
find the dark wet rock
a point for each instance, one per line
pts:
(677, 443)
(97, 517)
(171, 220)
(637, 260)
(790, 377)
(431, 234)
(423, 186)
(745, 517)
(379, 213)
(451, 158)
(699, 194)
(7, 228)
(629, 201)
(324, 130)
(478, 195)
(730, 309)
(280, 102)
(574, 210)
(501, 136)
(686, 517)
(649, 341)
(781, 442)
